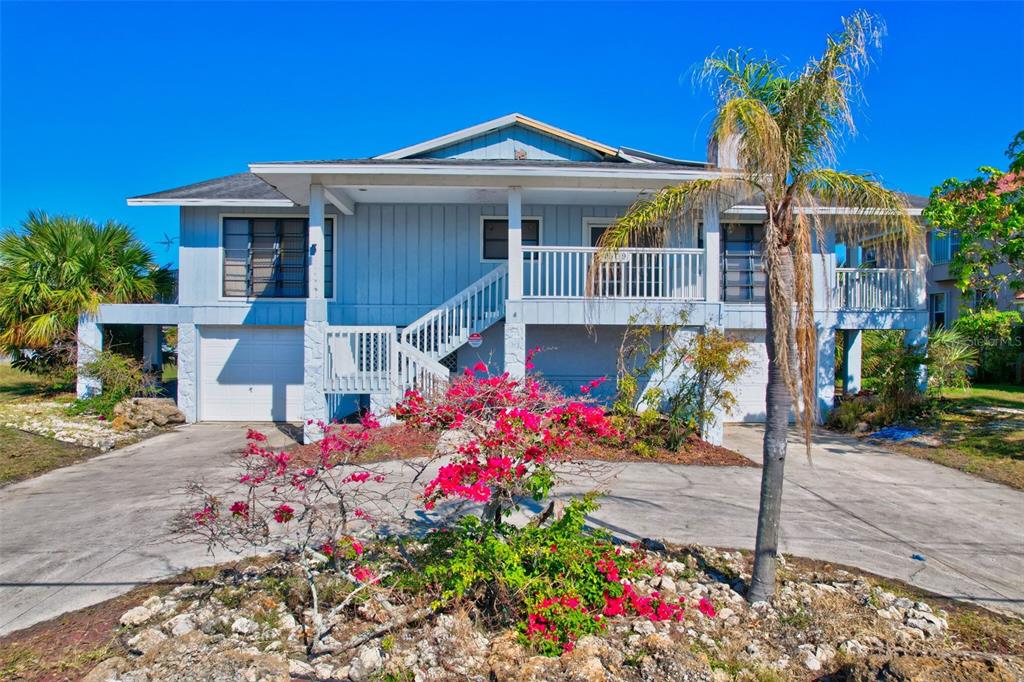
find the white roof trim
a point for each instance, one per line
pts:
(212, 202)
(633, 171)
(496, 124)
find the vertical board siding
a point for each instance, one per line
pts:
(502, 144)
(393, 262)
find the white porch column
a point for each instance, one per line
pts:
(826, 379)
(712, 253)
(515, 349)
(152, 339)
(515, 243)
(852, 348)
(90, 343)
(188, 357)
(316, 242)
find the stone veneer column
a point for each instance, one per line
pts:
(90, 342)
(314, 400)
(188, 358)
(515, 349)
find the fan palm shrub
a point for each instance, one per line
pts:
(786, 127)
(53, 269)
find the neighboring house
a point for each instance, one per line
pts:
(945, 301)
(309, 288)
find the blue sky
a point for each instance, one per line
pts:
(105, 101)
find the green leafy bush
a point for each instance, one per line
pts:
(670, 386)
(851, 412)
(995, 337)
(558, 582)
(891, 372)
(950, 358)
(121, 377)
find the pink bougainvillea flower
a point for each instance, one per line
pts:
(706, 607)
(284, 514)
(364, 574)
(369, 421)
(480, 367)
(254, 435)
(240, 509)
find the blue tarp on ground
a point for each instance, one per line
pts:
(895, 433)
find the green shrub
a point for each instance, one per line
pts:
(891, 371)
(950, 358)
(995, 338)
(849, 413)
(121, 377)
(558, 582)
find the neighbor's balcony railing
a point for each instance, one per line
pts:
(651, 274)
(875, 288)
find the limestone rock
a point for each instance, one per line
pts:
(136, 616)
(134, 413)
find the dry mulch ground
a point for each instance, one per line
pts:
(401, 442)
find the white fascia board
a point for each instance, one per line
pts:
(267, 203)
(450, 138)
(630, 171)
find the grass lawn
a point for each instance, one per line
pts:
(22, 454)
(982, 429)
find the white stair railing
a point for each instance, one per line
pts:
(474, 309)
(359, 359)
(419, 372)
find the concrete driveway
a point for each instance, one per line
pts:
(79, 535)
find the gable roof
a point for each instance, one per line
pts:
(602, 150)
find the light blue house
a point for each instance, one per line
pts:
(308, 288)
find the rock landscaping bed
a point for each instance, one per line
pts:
(135, 419)
(238, 623)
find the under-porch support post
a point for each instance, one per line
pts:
(188, 359)
(852, 349)
(826, 379)
(152, 355)
(90, 344)
(917, 338)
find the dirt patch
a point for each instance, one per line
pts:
(694, 452)
(25, 455)
(401, 442)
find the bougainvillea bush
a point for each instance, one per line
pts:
(552, 576)
(514, 433)
(508, 442)
(321, 509)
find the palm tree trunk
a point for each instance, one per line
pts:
(778, 403)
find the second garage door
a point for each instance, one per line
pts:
(749, 390)
(250, 373)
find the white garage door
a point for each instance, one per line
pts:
(250, 373)
(749, 390)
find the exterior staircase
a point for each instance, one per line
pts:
(379, 361)
(447, 327)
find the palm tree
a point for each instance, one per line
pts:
(56, 267)
(785, 129)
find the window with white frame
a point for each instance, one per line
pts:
(937, 310)
(594, 229)
(266, 257)
(495, 236)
